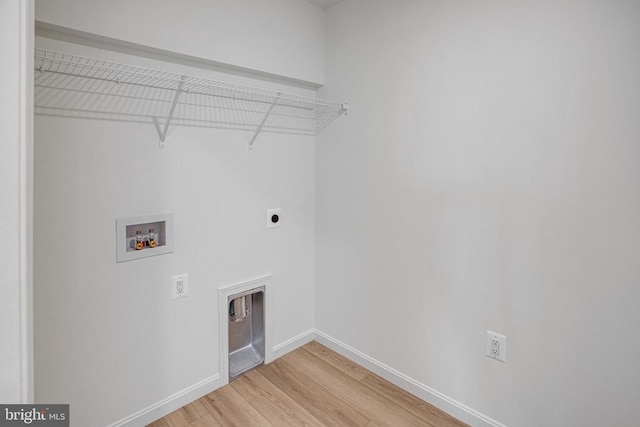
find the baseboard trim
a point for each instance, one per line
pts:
(170, 404)
(426, 393)
(293, 343)
(201, 388)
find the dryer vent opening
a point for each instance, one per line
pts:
(246, 331)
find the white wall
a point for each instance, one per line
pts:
(109, 339)
(15, 192)
(488, 177)
(284, 37)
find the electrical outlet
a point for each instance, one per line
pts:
(179, 286)
(496, 346)
(274, 217)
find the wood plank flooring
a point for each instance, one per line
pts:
(311, 386)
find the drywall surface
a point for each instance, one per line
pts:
(15, 191)
(10, 369)
(284, 37)
(109, 339)
(487, 177)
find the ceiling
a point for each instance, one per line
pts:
(324, 3)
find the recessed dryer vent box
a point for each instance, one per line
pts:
(144, 236)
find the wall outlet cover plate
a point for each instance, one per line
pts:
(179, 286)
(496, 346)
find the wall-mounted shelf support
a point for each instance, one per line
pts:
(266, 116)
(344, 110)
(163, 134)
(74, 86)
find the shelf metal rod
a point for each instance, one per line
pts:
(163, 135)
(264, 119)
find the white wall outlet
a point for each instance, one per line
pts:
(274, 217)
(179, 286)
(496, 346)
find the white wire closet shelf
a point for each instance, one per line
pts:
(74, 86)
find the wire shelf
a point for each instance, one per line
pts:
(74, 86)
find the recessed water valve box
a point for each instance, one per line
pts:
(143, 236)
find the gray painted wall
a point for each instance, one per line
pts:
(488, 177)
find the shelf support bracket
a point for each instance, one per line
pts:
(176, 98)
(264, 120)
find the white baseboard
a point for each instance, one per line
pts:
(434, 397)
(170, 404)
(293, 343)
(426, 393)
(196, 391)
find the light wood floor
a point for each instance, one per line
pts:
(311, 386)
